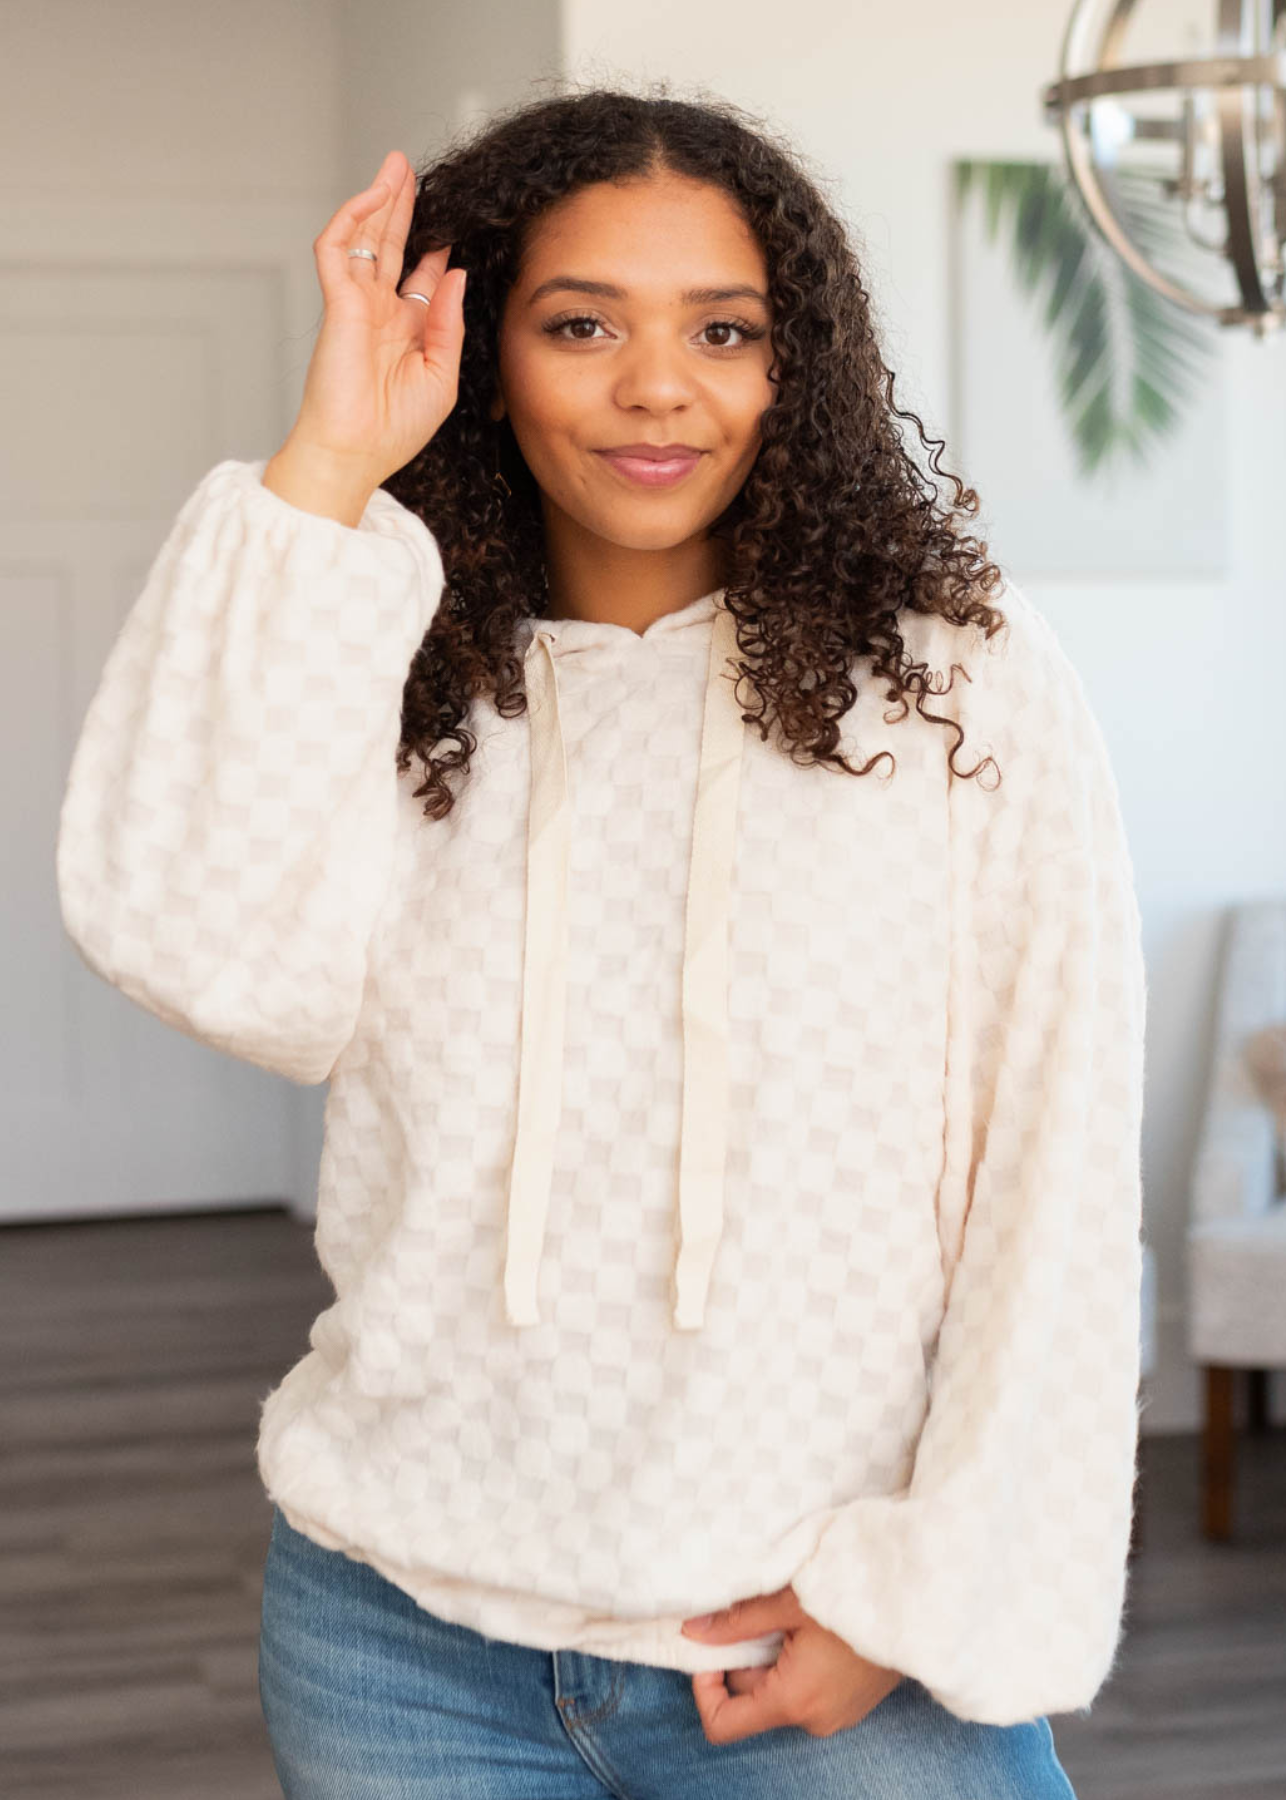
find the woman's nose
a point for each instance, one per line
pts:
(652, 370)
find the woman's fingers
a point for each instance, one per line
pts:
(392, 245)
(423, 279)
(443, 338)
(372, 233)
(346, 231)
(360, 223)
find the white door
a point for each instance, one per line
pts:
(123, 378)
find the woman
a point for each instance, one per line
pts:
(730, 1183)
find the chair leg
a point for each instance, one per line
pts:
(1258, 1418)
(1217, 1454)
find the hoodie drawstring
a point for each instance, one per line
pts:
(704, 992)
(544, 987)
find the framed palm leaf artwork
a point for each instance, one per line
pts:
(1088, 410)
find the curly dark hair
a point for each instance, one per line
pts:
(835, 530)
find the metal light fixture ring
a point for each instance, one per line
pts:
(1234, 74)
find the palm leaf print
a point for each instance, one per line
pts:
(1126, 358)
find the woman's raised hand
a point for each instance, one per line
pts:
(385, 370)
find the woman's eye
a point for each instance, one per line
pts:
(725, 325)
(559, 328)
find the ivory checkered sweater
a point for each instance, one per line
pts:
(731, 1171)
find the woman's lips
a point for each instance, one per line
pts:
(648, 471)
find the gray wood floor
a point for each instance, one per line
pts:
(133, 1529)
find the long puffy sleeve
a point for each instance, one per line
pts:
(226, 833)
(998, 1578)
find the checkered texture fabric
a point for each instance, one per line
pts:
(914, 1391)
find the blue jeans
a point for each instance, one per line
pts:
(369, 1696)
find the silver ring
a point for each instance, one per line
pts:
(369, 254)
(414, 296)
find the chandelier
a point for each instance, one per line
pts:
(1202, 137)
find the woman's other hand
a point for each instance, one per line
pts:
(817, 1681)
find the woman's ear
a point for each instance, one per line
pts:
(496, 411)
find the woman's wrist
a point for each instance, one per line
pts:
(317, 481)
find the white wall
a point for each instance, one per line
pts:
(411, 73)
(880, 99)
(196, 103)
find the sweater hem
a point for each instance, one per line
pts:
(536, 1623)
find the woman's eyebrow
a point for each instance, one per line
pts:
(700, 296)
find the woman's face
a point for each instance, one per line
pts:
(605, 342)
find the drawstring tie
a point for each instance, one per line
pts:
(704, 988)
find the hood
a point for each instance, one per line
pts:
(704, 1127)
